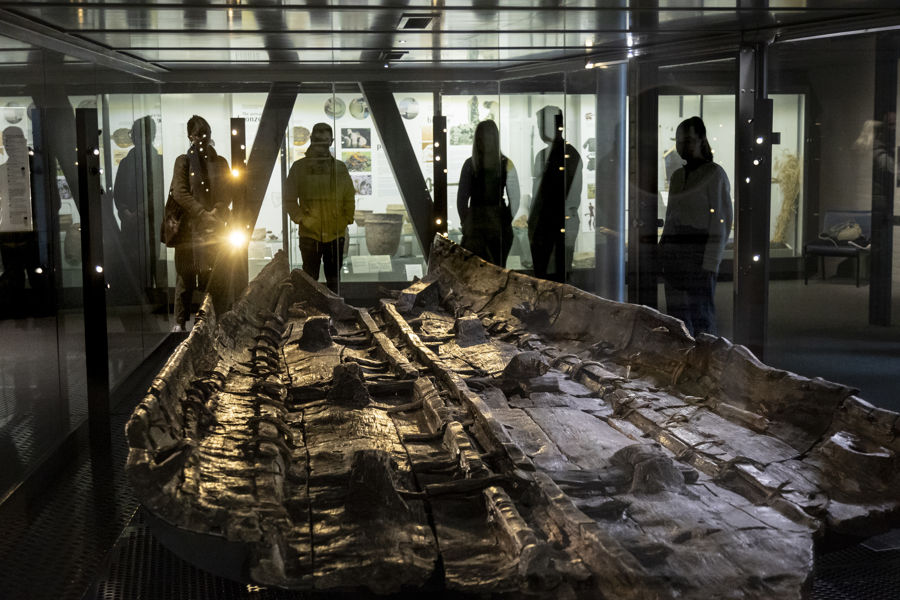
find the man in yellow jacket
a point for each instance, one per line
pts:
(319, 197)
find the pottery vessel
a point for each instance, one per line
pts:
(383, 233)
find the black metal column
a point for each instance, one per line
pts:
(642, 200)
(92, 273)
(266, 146)
(402, 159)
(239, 209)
(439, 194)
(752, 198)
(887, 52)
(610, 183)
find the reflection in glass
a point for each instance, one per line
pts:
(138, 200)
(19, 250)
(553, 222)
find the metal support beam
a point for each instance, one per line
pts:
(239, 274)
(402, 159)
(887, 53)
(92, 274)
(610, 183)
(46, 219)
(439, 134)
(61, 143)
(752, 198)
(38, 34)
(643, 197)
(266, 146)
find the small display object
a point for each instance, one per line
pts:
(359, 109)
(335, 108)
(358, 137)
(300, 135)
(357, 161)
(409, 108)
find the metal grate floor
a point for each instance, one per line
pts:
(140, 567)
(53, 548)
(858, 573)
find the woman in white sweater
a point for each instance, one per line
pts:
(698, 222)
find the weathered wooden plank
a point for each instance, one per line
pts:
(528, 436)
(387, 348)
(585, 440)
(362, 529)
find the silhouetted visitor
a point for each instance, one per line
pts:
(319, 196)
(698, 222)
(139, 200)
(556, 195)
(201, 185)
(486, 218)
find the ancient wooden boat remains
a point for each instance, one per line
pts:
(486, 432)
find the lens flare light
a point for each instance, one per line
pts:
(237, 238)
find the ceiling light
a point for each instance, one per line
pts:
(416, 21)
(386, 56)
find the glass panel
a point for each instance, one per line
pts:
(535, 136)
(42, 368)
(266, 237)
(135, 267)
(596, 108)
(835, 158)
(580, 132)
(417, 112)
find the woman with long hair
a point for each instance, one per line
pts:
(486, 217)
(201, 187)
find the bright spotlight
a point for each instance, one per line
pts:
(237, 238)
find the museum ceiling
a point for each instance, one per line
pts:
(235, 40)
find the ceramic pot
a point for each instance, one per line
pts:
(383, 233)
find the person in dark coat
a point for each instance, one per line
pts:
(698, 222)
(556, 195)
(486, 218)
(201, 185)
(139, 199)
(319, 196)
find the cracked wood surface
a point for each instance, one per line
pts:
(488, 432)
